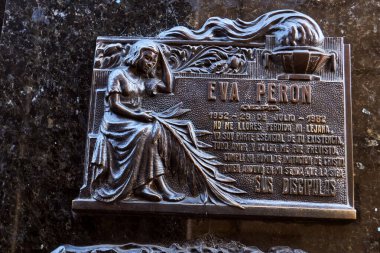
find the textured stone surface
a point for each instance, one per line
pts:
(45, 74)
(2, 8)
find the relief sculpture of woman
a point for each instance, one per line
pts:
(135, 148)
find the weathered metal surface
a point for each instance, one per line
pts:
(237, 118)
(231, 247)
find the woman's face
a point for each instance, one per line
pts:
(147, 61)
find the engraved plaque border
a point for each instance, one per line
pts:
(86, 205)
(221, 50)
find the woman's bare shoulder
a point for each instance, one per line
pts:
(118, 71)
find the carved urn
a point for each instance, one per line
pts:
(300, 62)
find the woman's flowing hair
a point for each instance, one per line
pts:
(135, 53)
(136, 50)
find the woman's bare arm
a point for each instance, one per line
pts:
(167, 84)
(117, 107)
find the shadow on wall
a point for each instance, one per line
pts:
(2, 9)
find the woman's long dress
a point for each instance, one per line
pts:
(129, 153)
(126, 154)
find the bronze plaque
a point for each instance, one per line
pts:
(236, 118)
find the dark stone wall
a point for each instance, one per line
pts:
(46, 56)
(2, 9)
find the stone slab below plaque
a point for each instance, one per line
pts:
(235, 119)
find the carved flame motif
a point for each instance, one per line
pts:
(291, 28)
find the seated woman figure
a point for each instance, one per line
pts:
(126, 157)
